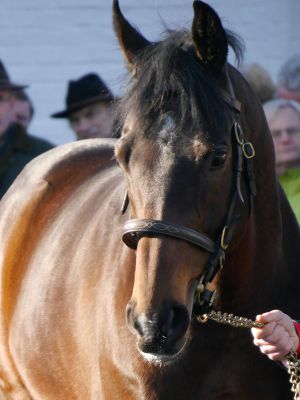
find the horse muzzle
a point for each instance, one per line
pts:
(161, 335)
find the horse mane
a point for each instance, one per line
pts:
(169, 76)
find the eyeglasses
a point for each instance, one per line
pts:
(292, 131)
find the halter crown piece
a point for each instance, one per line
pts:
(135, 229)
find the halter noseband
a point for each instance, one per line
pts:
(135, 229)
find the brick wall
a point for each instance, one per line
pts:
(46, 43)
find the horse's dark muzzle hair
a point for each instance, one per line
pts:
(160, 333)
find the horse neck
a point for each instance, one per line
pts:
(253, 265)
(262, 272)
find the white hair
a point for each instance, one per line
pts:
(272, 107)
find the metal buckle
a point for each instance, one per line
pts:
(223, 237)
(222, 259)
(200, 287)
(248, 150)
(199, 290)
(202, 318)
(238, 133)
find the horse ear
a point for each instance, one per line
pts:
(131, 41)
(209, 37)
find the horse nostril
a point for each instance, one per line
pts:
(129, 316)
(176, 323)
(133, 322)
(159, 329)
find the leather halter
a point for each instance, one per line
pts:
(135, 229)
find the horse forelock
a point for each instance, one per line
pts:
(171, 81)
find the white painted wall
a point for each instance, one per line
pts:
(46, 43)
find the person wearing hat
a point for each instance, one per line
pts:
(90, 107)
(24, 109)
(17, 147)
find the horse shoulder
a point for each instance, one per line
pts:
(26, 212)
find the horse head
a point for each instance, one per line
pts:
(188, 172)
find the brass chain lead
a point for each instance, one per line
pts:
(241, 322)
(294, 371)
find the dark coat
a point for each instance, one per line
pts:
(19, 148)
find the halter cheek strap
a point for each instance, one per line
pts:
(243, 153)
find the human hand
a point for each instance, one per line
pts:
(277, 337)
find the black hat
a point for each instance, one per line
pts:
(5, 82)
(88, 89)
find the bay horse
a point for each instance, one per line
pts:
(204, 224)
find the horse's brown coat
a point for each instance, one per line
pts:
(34, 216)
(66, 277)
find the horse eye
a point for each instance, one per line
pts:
(127, 156)
(124, 157)
(123, 151)
(219, 158)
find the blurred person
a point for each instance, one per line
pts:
(288, 86)
(17, 147)
(283, 118)
(90, 107)
(24, 109)
(260, 81)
